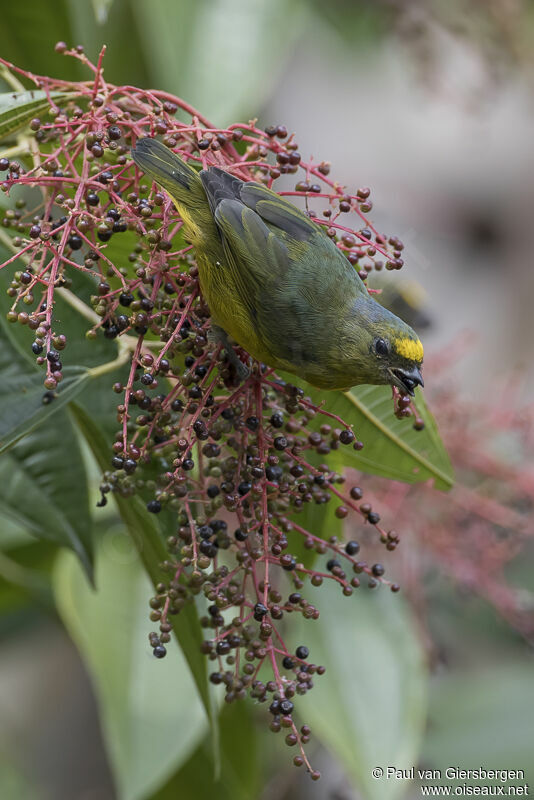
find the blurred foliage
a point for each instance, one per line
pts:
(147, 535)
(358, 23)
(226, 56)
(25, 590)
(499, 31)
(34, 30)
(14, 784)
(371, 708)
(468, 711)
(151, 715)
(242, 767)
(201, 51)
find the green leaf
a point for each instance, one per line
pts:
(357, 25)
(198, 50)
(369, 708)
(123, 64)
(146, 535)
(17, 360)
(241, 766)
(43, 487)
(395, 449)
(392, 447)
(21, 396)
(34, 29)
(25, 582)
(13, 534)
(320, 520)
(18, 108)
(150, 713)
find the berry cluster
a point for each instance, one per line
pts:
(235, 463)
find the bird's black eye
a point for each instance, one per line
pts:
(381, 347)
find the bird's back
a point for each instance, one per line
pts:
(282, 266)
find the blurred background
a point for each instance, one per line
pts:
(431, 104)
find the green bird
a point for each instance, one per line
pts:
(277, 284)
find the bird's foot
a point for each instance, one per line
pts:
(216, 335)
(242, 370)
(219, 336)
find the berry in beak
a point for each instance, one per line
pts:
(408, 378)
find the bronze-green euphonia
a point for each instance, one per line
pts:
(277, 284)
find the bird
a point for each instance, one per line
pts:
(278, 286)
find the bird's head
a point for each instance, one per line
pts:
(386, 349)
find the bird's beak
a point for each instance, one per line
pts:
(408, 378)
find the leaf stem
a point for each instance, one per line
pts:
(11, 80)
(109, 366)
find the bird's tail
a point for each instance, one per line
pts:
(180, 181)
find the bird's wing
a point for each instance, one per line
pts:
(277, 211)
(256, 257)
(273, 245)
(259, 267)
(220, 185)
(281, 264)
(273, 209)
(284, 298)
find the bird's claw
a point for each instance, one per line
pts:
(213, 336)
(242, 370)
(217, 335)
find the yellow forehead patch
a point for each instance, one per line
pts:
(412, 349)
